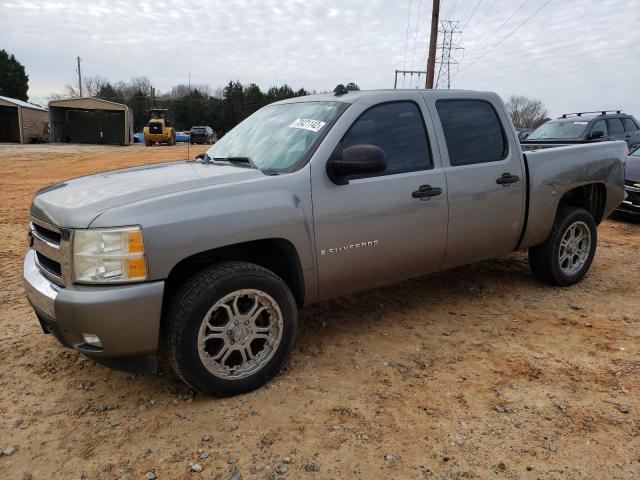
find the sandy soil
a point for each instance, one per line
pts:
(479, 372)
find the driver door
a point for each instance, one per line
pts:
(378, 228)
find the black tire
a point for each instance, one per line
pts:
(544, 259)
(147, 143)
(189, 309)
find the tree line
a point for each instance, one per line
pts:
(189, 105)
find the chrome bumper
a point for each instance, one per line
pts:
(125, 317)
(40, 291)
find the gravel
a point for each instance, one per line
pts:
(196, 467)
(282, 469)
(389, 458)
(9, 451)
(150, 475)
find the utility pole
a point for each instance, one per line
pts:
(433, 41)
(79, 77)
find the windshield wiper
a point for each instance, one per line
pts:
(244, 161)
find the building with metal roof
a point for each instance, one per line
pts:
(22, 122)
(90, 120)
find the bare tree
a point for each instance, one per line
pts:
(526, 112)
(91, 85)
(183, 90)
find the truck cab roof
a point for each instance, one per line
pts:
(354, 96)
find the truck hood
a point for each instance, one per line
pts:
(76, 203)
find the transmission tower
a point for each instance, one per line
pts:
(450, 34)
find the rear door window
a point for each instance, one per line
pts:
(615, 126)
(473, 131)
(630, 125)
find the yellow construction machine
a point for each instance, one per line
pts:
(160, 128)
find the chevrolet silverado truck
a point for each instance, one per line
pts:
(209, 260)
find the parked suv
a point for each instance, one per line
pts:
(202, 135)
(585, 127)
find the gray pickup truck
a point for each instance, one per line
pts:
(209, 260)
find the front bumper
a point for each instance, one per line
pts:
(631, 204)
(125, 317)
(157, 137)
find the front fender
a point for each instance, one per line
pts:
(183, 224)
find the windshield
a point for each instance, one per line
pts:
(277, 138)
(559, 131)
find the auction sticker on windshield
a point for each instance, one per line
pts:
(307, 124)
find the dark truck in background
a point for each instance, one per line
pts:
(306, 199)
(584, 127)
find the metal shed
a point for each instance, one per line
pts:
(90, 120)
(22, 122)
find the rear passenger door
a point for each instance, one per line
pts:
(485, 179)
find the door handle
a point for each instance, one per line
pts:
(426, 192)
(507, 179)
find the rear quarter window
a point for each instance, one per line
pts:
(473, 131)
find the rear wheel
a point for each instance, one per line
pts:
(566, 256)
(231, 328)
(147, 143)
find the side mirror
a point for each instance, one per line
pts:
(200, 156)
(355, 160)
(596, 134)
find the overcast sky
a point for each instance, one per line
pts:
(572, 54)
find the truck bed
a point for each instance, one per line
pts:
(552, 172)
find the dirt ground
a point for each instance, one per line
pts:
(478, 372)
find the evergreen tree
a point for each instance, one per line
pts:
(14, 82)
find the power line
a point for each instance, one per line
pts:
(511, 33)
(453, 6)
(484, 14)
(415, 38)
(406, 40)
(484, 40)
(472, 14)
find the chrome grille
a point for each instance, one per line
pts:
(52, 250)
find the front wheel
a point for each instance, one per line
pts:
(566, 256)
(231, 328)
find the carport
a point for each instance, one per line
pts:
(90, 120)
(22, 122)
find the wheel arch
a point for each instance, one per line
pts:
(275, 254)
(591, 196)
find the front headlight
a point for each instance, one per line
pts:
(109, 255)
